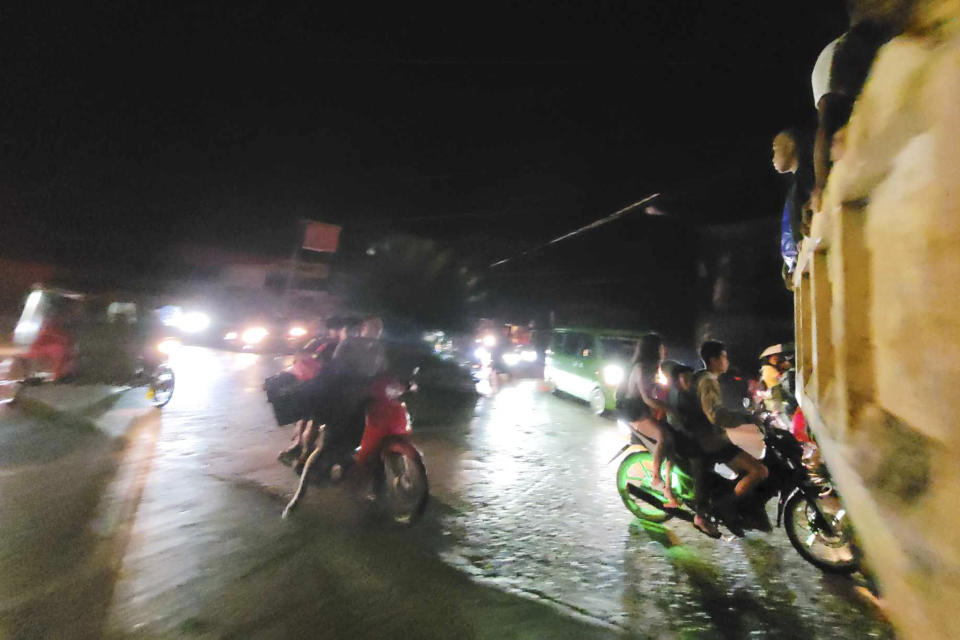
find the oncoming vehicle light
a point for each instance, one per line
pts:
(168, 346)
(662, 378)
(254, 335)
(482, 355)
(297, 332)
(489, 340)
(528, 355)
(230, 335)
(193, 322)
(613, 375)
(511, 359)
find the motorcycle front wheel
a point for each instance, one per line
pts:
(161, 386)
(832, 552)
(403, 489)
(637, 469)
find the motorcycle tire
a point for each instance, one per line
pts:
(402, 485)
(803, 534)
(636, 468)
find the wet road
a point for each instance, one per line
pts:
(524, 501)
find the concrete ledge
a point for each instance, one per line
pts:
(77, 404)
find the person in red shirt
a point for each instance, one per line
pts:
(308, 362)
(53, 349)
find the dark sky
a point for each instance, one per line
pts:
(126, 125)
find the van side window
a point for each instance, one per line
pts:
(564, 343)
(582, 346)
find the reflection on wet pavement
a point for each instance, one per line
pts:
(541, 514)
(523, 499)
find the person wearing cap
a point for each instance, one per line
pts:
(774, 366)
(772, 362)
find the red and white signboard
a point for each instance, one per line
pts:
(322, 237)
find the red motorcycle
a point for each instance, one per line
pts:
(386, 462)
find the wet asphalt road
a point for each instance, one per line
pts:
(523, 501)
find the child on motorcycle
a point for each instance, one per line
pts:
(687, 421)
(641, 402)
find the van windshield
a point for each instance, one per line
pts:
(620, 349)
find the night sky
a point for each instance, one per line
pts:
(492, 126)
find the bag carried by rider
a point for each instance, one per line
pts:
(281, 394)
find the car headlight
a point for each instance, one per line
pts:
(230, 335)
(511, 359)
(168, 346)
(528, 355)
(613, 375)
(193, 322)
(254, 335)
(297, 332)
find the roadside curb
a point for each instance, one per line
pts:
(84, 415)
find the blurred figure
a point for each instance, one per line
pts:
(640, 403)
(841, 71)
(693, 439)
(344, 385)
(309, 361)
(53, 349)
(792, 155)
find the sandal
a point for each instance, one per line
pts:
(712, 533)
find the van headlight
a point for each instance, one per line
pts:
(613, 375)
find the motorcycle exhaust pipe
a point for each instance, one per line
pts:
(653, 501)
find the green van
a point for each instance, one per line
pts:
(589, 363)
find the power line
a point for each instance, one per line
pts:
(587, 227)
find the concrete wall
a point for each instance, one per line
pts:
(878, 323)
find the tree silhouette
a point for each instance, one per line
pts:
(412, 278)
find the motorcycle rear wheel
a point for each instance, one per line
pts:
(403, 486)
(637, 469)
(833, 553)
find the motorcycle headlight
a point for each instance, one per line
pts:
(489, 341)
(613, 375)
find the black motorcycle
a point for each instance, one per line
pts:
(814, 518)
